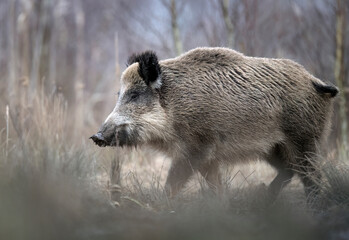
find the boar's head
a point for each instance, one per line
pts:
(138, 116)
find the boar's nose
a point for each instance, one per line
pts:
(99, 139)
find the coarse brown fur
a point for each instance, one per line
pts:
(213, 105)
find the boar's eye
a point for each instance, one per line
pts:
(134, 96)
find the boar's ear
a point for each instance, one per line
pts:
(149, 68)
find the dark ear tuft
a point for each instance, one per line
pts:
(149, 68)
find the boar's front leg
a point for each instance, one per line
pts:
(178, 175)
(210, 171)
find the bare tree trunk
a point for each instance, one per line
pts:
(52, 52)
(228, 23)
(41, 12)
(117, 62)
(12, 50)
(24, 43)
(80, 64)
(175, 30)
(339, 71)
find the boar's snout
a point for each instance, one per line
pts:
(113, 136)
(99, 139)
(105, 136)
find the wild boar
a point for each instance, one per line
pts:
(214, 105)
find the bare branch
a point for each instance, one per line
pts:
(175, 30)
(228, 23)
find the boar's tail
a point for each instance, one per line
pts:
(328, 90)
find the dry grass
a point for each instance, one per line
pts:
(56, 186)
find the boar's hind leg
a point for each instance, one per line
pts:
(210, 171)
(280, 157)
(178, 175)
(307, 170)
(280, 181)
(298, 156)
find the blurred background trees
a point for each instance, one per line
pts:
(77, 49)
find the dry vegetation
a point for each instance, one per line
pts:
(59, 63)
(55, 187)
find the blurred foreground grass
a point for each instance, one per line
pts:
(53, 185)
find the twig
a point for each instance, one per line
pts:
(115, 179)
(134, 201)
